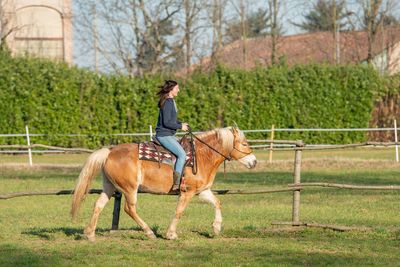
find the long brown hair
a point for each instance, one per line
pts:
(164, 91)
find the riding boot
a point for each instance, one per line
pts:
(177, 181)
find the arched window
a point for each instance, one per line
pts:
(40, 32)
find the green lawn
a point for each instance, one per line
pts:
(37, 230)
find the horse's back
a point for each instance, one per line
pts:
(123, 150)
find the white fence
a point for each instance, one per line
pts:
(268, 144)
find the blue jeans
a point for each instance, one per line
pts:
(172, 144)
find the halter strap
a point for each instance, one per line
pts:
(229, 158)
(246, 153)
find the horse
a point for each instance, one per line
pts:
(123, 171)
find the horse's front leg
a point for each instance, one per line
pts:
(208, 196)
(184, 199)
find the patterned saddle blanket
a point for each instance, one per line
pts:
(154, 151)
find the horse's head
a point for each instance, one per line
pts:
(241, 150)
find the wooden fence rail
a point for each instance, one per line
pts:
(348, 186)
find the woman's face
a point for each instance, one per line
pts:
(174, 92)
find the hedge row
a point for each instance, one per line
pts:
(54, 99)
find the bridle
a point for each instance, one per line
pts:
(226, 158)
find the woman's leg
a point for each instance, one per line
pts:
(170, 143)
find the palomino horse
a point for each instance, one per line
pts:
(123, 171)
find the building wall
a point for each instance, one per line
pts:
(394, 60)
(41, 28)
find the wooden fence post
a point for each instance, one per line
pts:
(272, 143)
(151, 132)
(28, 140)
(395, 140)
(116, 212)
(297, 181)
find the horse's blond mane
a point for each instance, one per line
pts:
(224, 134)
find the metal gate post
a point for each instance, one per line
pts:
(116, 212)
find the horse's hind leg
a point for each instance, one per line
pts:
(208, 196)
(108, 191)
(184, 199)
(130, 208)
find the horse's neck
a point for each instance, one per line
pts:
(213, 157)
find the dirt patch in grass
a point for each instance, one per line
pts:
(313, 164)
(40, 167)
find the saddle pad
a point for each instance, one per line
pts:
(153, 152)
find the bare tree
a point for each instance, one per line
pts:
(129, 36)
(241, 11)
(191, 10)
(275, 28)
(374, 13)
(372, 20)
(217, 8)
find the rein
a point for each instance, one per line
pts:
(194, 167)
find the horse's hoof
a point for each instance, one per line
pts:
(217, 228)
(89, 235)
(172, 236)
(151, 235)
(90, 238)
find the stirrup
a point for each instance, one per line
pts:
(175, 188)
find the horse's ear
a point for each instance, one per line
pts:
(234, 130)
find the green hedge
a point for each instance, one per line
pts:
(53, 99)
(312, 96)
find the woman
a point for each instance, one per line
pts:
(167, 125)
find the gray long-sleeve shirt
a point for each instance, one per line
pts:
(168, 122)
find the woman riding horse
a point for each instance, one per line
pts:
(167, 125)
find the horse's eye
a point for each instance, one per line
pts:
(244, 145)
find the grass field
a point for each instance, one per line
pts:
(37, 231)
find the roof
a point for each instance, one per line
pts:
(317, 47)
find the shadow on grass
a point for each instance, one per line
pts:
(48, 233)
(77, 233)
(204, 234)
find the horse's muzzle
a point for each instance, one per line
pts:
(249, 161)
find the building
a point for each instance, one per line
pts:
(318, 47)
(41, 28)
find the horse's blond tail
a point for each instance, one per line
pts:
(92, 166)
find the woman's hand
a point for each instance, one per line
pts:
(185, 126)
